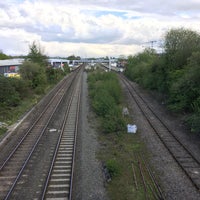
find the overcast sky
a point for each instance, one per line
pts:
(91, 28)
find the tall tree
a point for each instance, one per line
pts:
(179, 46)
(36, 55)
(73, 57)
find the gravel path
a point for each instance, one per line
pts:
(89, 179)
(174, 182)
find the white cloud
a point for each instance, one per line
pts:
(89, 50)
(16, 41)
(83, 27)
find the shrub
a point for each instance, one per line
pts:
(114, 89)
(54, 75)
(113, 121)
(105, 92)
(21, 86)
(102, 103)
(34, 73)
(175, 73)
(8, 95)
(2, 130)
(193, 122)
(113, 168)
(185, 91)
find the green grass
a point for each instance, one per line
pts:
(122, 149)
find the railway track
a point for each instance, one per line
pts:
(181, 154)
(13, 169)
(145, 179)
(58, 184)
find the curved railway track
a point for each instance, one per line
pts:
(181, 154)
(12, 168)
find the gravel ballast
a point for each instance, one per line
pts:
(172, 179)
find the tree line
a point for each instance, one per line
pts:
(3, 56)
(36, 77)
(175, 73)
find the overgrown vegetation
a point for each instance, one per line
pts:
(105, 91)
(19, 94)
(118, 148)
(174, 73)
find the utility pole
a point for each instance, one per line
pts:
(109, 63)
(152, 43)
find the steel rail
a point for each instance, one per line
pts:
(176, 158)
(39, 137)
(164, 124)
(143, 178)
(33, 148)
(29, 130)
(155, 190)
(134, 177)
(56, 150)
(48, 178)
(74, 150)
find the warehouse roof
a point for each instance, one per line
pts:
(10, 62)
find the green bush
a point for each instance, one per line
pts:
(2, 130)
(140, 66)
(21, 86)
(113, 87)
(34, 74)
(175, 73)
(105, 81)
(106, 95)
(194, 122)
(55, 75)
(8, 95)
(113, 168)
(102, 103)
(185, 91)
(113, 121)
